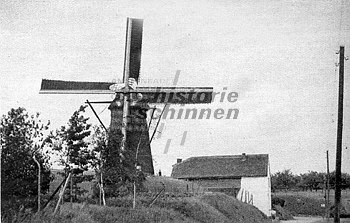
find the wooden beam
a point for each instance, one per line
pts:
(76, 92)
(93, 110)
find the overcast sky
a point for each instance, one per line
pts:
(278, 55)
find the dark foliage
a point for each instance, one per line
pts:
(70, 143)
(118, 168)
(312, 180)
(282, 213)
(301, 205)
(22, 137)
(283, 180)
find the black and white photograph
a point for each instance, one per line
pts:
(208, 111)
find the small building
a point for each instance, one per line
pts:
(247, 177)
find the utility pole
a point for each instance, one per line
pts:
(327, 188)
(337, 193)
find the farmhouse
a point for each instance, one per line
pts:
(247, 177)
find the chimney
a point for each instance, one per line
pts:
(178, 160)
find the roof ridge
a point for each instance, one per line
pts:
(225, 156)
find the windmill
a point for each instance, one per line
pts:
(130, 104)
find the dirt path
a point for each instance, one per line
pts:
(305, 220)
(343, 220)
(313, 220)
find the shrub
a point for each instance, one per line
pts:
(300, 205)
(277, 201)
(282, 214)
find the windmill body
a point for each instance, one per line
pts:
(130, 105)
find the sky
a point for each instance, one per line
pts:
(279, 56)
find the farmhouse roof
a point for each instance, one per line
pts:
(236, 166)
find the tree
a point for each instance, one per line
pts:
(71, 144)
(22, 136)
(345, 180)
(99, 141)
(115, 168)
(283, 180)
(119, 169)
(312, 180)
(70, 141)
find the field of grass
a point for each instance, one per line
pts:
(307, 203)
(316, 195)
(180, 201)
(206, 208)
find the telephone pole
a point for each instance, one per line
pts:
(327, 188)
(337, 195)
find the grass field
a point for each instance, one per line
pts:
(205, 208)
(180, 201)
(311, 202)
(317, 195)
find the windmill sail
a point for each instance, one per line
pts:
(153, 95)
(135, 48)
(74, 87)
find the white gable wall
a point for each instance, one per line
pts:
(260, 188)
